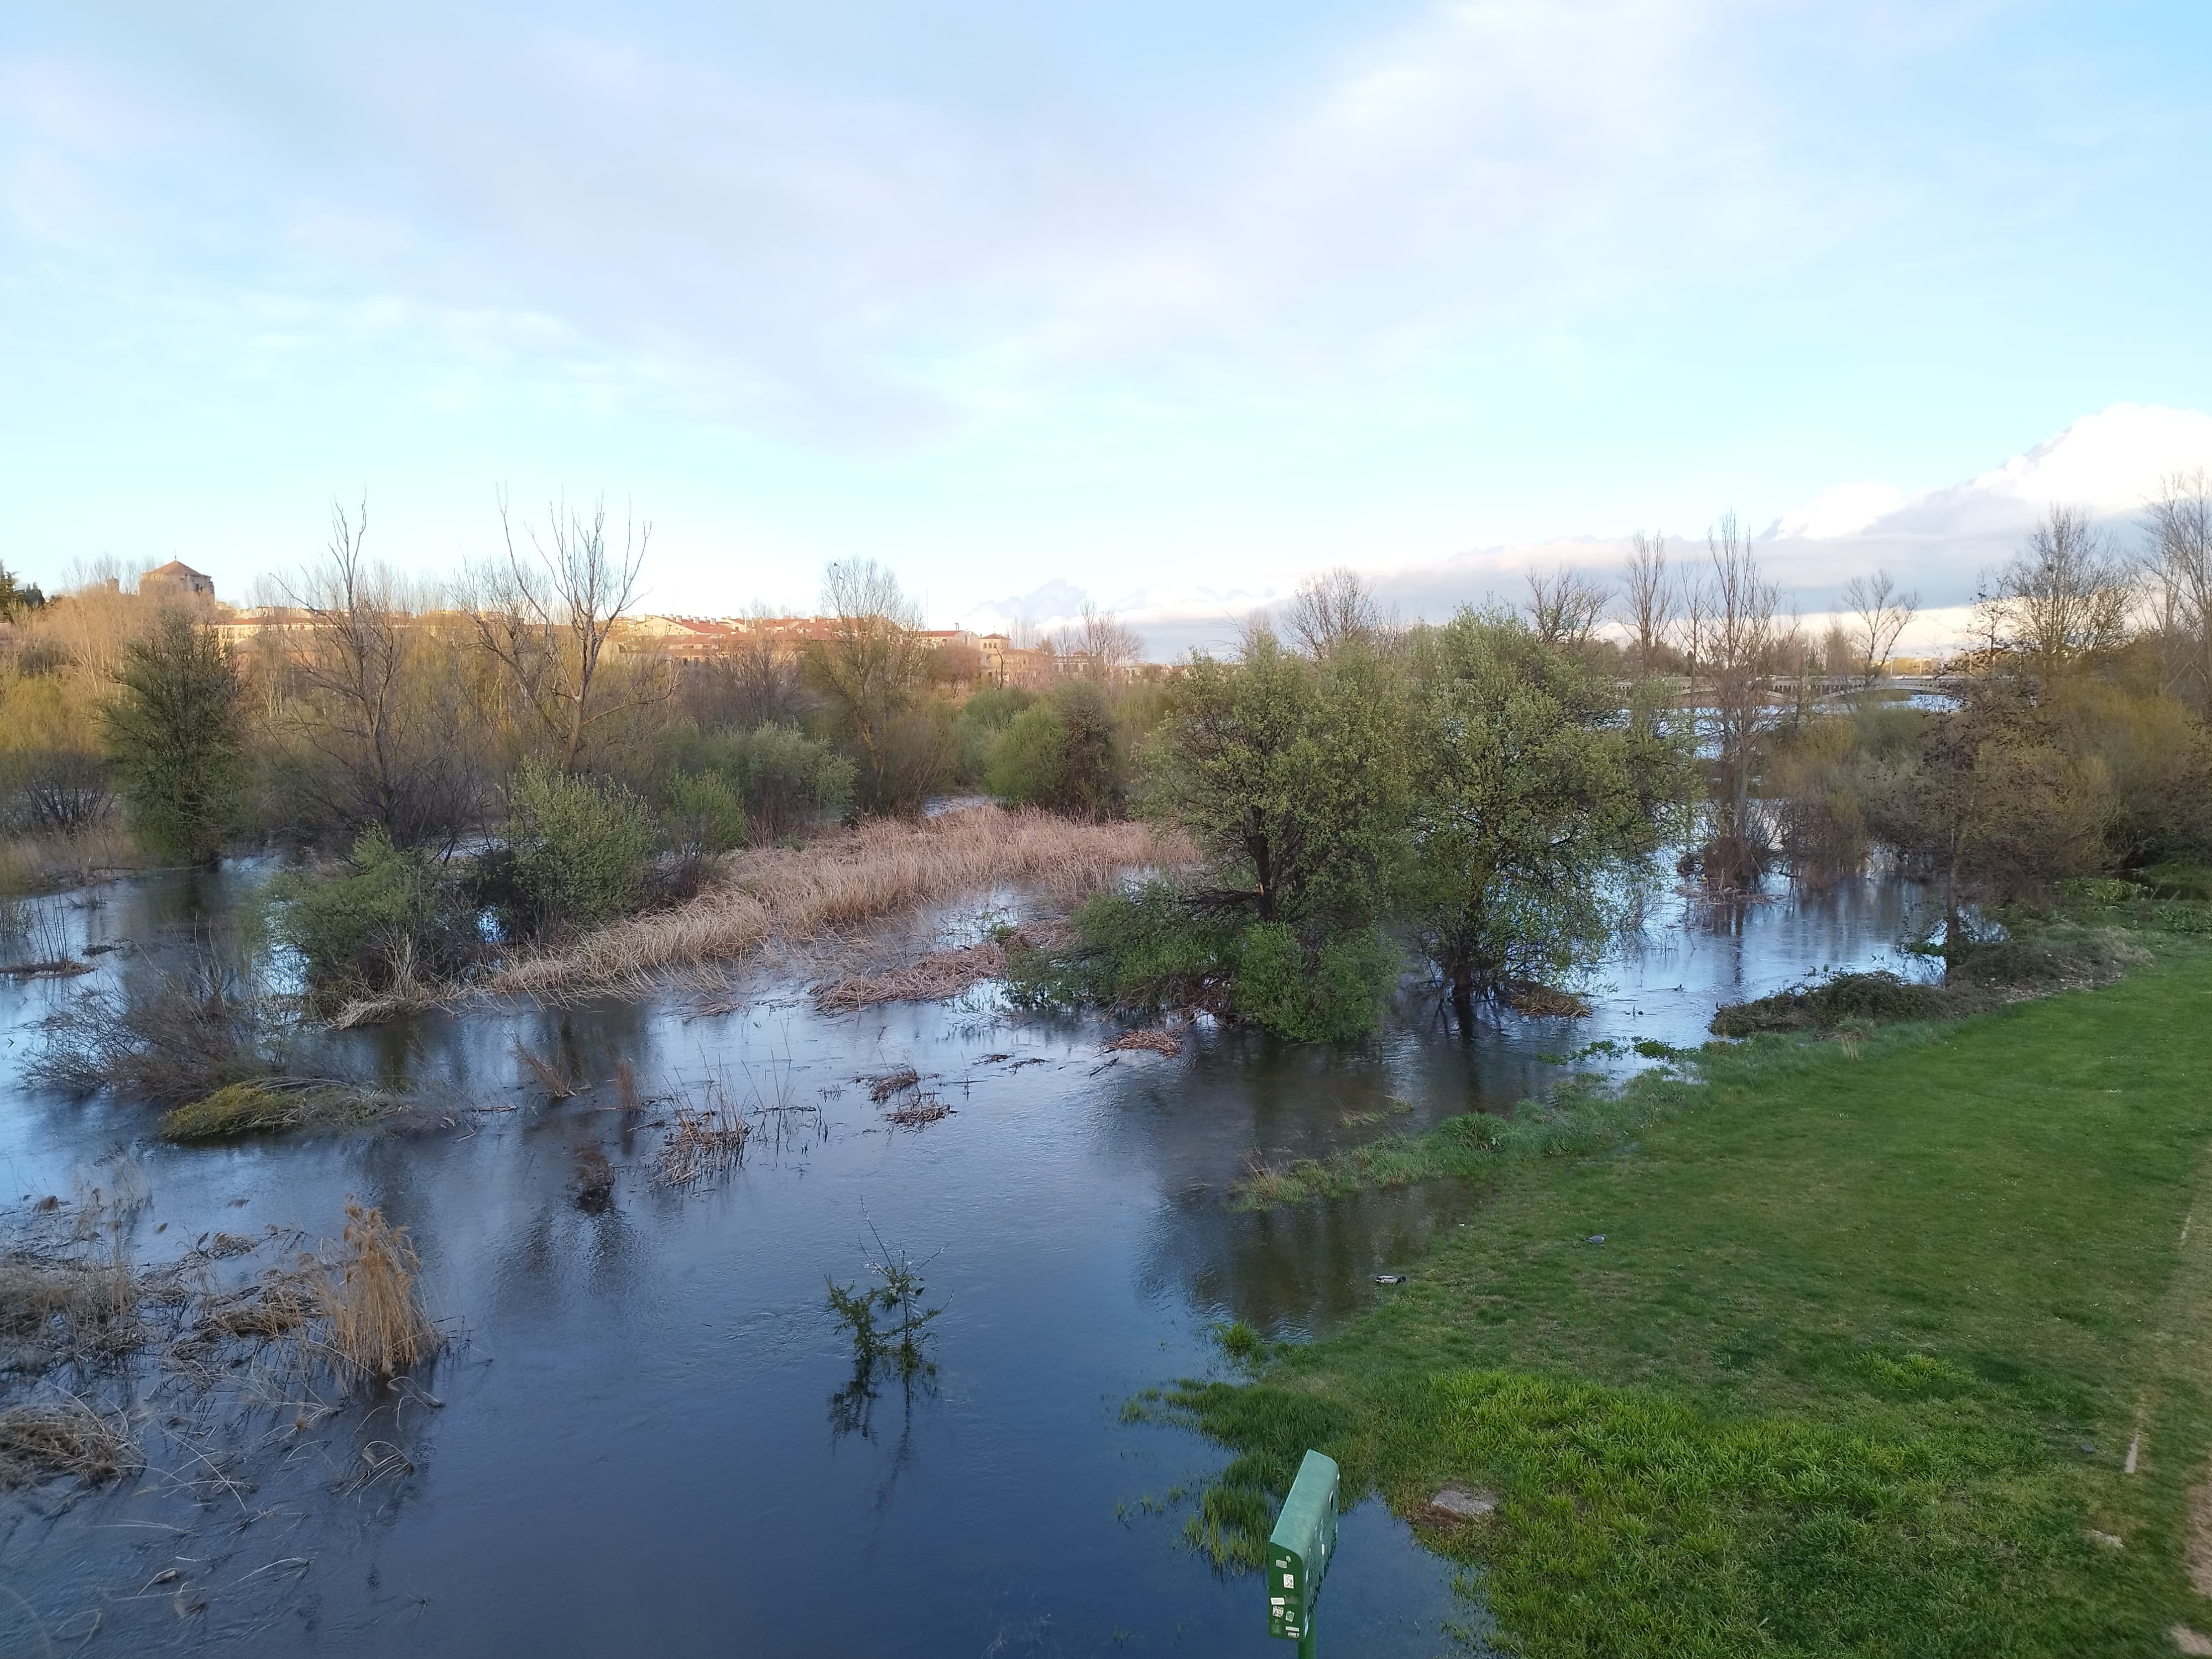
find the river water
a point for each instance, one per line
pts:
(641, 1444)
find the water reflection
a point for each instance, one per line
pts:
(652, 1433)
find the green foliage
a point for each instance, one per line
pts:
(1292, 778)
(705, 813)
(1137, 952)
(394, 917)
(581, 846)
(1853, 1371)
(1065, 753)
(1328, 992)
(175, 735)
(1881, 998)
(1531, 792)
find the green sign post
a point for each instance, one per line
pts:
(1298, 1550)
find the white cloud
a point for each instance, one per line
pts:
(1937, 541)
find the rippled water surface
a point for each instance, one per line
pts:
(641, 1445)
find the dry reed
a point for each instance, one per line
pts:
(556, 1083)
(855, 876)
(374, 1323)
(936, 977)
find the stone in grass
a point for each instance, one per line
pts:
(1461, 1503)
(2189, 1641)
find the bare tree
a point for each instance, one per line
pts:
(356, 661)
(1107, 645)
(1648, 598)
(1564, 606)
(1879, 614)
(1740, 646)
(2064, 595)
(872, 666)
(1696, 623)
(1332, 610)
(2178, 526)
(547, 621)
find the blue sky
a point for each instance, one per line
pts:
(1166, 303)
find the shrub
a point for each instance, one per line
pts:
(393, 918)
(1323, 992)
(787, 782)
(1879, 997)
(580, 847)
(175, 735)
(706, 814)
(1139, 952)
(1064, 753)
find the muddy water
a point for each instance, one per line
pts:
(641, 1445)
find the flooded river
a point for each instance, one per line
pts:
(645, 1441)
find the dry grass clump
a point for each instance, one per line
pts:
(269, 1104)
(923, 1109)
(935, 977)
(57, 1308)
(883, 865)
(1152, 1042)
(706, 1134)
(882, 1086)
(374, 1323)
(1544, 1001)
(38, 1443)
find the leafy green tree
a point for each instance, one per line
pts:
(175, 735)
(1291, 777)
(1995, 805)
(394, 916)
(1531, 795)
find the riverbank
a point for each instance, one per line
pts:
(1849, 1356)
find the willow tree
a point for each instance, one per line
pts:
(1534, 790)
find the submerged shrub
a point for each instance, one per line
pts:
(394, 917)
(1137, 953)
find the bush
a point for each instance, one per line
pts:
(395, 917)
(1064, 753)
(1327, 992)
(1136, 953)
(1139, 952)
(579, 848)
(787, 782)
(1876, 998)
(706, 814)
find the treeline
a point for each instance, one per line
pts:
(506, 762)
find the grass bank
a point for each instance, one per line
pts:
(858, 875)
(1856, 1369)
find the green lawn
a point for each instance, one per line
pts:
(1855, 1370)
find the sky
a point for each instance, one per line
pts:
(1160, 305)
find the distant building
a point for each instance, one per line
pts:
(177, 579)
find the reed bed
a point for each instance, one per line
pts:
(707, 1135)
(855, 876)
